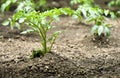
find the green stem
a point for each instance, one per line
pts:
(42, 35)
(45, 43)
(52, 44)
(45, 38)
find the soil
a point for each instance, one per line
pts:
(74, 55)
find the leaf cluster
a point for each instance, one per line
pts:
(114, 3)
(39, 22)
(6, 5)
(20, 4)
(93, 14)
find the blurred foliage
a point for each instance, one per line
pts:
(89, 11)
(20, 4)
(114, 3)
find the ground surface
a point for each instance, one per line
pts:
(74, 54)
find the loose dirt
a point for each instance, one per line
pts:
(74, 55)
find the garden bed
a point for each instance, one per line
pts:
(74, 55)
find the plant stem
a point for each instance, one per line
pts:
(45, 43)
(52, 44)
(42, 35)
(45, 38)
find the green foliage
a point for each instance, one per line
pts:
(82, 2)
(41, 4)
(23, 4)
(101, 29)
(114, 3)
(6, 22)
(6, 5)
(41, 24)
(95, 14)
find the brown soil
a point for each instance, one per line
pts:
(74, 54)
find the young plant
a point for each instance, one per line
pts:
(93, 13)
(41, 24)
(101, 31)
(116, 5)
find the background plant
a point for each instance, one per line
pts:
(82, 2)
(114, 3)
(20, 4)
(90, 12)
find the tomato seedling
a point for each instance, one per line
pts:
(91, 12)
(41, 24)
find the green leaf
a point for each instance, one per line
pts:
(106, 12)
(74, 16)
(100, 30)
(113, 16)
(107, 31)
(20, 6)
(94, 29)
(56, 18)
(27, 31)
(43, 22)
(5, 5)
(57, 33)
(6, 22)
(50, 27)
(17, 25)
(118, 2)
(112, 3)
(13, 1)
(84, 12)
(21, 20)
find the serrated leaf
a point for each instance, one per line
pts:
(100, 30)
(6, 22)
